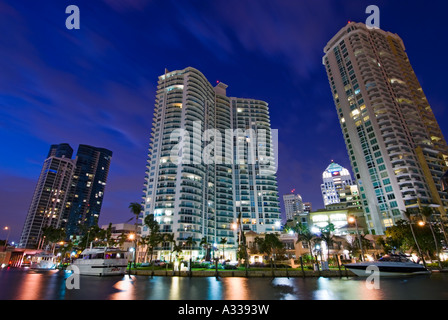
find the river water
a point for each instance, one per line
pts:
(23, 284)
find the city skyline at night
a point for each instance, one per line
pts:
(97, 85)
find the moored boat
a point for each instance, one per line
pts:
(388, 265)
(102, 261)
(43, 261)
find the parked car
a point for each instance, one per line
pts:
(257, 265)
(159, 263)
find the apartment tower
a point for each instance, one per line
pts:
(201, 182)
(334, 179)
(396, 148)
(50, 194)
(293, 205)
(87, 189)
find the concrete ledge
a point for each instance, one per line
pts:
(251, 274)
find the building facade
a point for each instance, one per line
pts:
(50, 195)
(293, 205)
(396, 148)
(69, 192)
(202, 176)
(86, 195)
(334, 178)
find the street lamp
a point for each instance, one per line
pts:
(9, 231)
(353, 219)
(133, 237)
(422, 223)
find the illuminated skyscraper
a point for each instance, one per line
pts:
(87, 188)
(69, 193)
(396, 148)
(334, 178)
(50, 194)
(293, 205)
(191, 196)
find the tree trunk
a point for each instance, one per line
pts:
(437, 247)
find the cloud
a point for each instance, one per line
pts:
(127, 5)
(279, 30)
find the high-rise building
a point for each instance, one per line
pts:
(307, 207)
(50, 195)
(334, 179)
(201, 177)
(85, 200)
(293, 205)
(69, 193)
(396, 148)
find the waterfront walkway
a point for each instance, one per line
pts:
(268, 273)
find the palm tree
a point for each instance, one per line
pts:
(407, 213)
(273, 242)
(154, 237)
(169, 237)
(190, 243)
(327, 236)
(136, 209)
(223, 242)
(426, 212)
(53, 235)
(178, 250)
(205, 245)
(305, 235)
(108, 236)
(144, 241)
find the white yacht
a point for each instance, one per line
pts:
(43, 261)
(102, 261)
(389, 265)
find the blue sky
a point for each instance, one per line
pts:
(97, 85)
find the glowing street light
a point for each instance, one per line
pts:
(353, 219)
(133, 237)
(9, 231)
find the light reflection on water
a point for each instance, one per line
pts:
(19, 284)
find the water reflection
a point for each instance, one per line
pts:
(235, 289)
(29, 288)
(175, 291)
(214, 289)
(25, 285)
(125, 289)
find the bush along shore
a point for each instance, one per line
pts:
(241, 272)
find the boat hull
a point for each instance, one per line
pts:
(387, 270)
(42, 266)
(100, 267)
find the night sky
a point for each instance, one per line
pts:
(97, 85)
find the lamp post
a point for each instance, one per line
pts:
(351, 220)
(133, 237)
(421, 224)
(9, 231)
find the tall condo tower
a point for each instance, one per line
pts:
(50, 194)
(397, 150)
(202, 180)
(293, 205)
(87, 188)
(334, 179)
